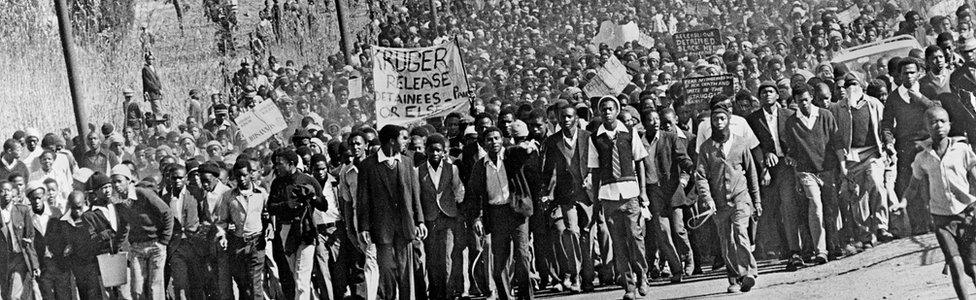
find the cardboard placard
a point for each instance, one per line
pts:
(700, 42)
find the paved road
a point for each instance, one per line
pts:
(903, 269)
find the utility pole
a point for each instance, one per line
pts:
(434, 20)
(74, 82)
(344, 40)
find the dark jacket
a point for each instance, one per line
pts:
(961, 110)
(563, 178)
(757, 121)
(299, 217)
(43, 243)
(148, 217)
(514, 160)
(151, 85)
(672, 163)
(449, 188)
(108, 240)
(388, 210)
(72, 242)
(903, 123)
(24, 233)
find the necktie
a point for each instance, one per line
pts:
(614, 158)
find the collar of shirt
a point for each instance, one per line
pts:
(10, 165)
(903, 92)
(383, 158)
(131, 195)
(40, 220)
(620, 127)
(809, 121)
(5, 213)
(772, 114)
(491, 163)
(67, 218)
(109, 212)
(571, 140)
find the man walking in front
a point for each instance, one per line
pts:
(150, 224)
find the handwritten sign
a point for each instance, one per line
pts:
(412, 84)
(701, 42)
(615, 35)
(848, 15)
(611, 79)
(699, 90)
(259, 124)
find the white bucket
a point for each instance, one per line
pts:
(114, 268)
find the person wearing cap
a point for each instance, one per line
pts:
(962, 106)
(727, 180)
(858, 117)
(221, 120)
(31, 150)
(150, 222)
(18, 259)
(901, 128)
(44, 219)
(293, 196)
(209, 191)
(614, 153)
(152, 85)
(245, 241)
(105, 220)
(810, 139)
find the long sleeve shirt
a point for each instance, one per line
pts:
(240, 212)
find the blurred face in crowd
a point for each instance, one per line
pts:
(805, 103)
(568, 119)
(768, 96)
(937, 61)
(401, 142)
(177, 179)
(52, 190)
(493, 142)
(31, 143)
(436, 152)
(669, 121)
(243, 177)
(47, 161)
(720, 121)
(609, 109)
(417, 143)
(452, 126)
(968, 56)
(909, 75)
(320, 170)
(208, 181)
(504, 120)
(480, 124)
(14, 152)
(102, 194)
(77, 204)
(357, 146)
(776, 70)
(37, 198)
(8, 194)
(652, 122)
(120, 184)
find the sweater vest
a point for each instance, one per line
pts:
(623, 142)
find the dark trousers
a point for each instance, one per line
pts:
(327, 278)
(573, 226)
(917, 208)
(544, 246)
(627, 234)
(55, 281)
(246, 264)
(186, 269)
(15, 278)
(780, 192)
(468, 240)
(395, 262)
(602, 246)
(445, 263)
(668, 234)
(510, 250)
(88, 280)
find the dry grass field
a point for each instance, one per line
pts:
(34, 82)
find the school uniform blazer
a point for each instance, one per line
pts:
(566, 190)
(842, 114)
(97, 223)
(757, 121)
(24, 234)
(443, 199)
(961, 110)
(151, 84)
(377, 208)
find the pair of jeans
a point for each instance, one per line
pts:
(331, 281)
(147, 263)
(300, 263)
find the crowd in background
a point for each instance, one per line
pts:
(537, 186)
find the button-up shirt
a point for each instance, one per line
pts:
(809, 121)
(737, 126)
(40, 220)
(772, 121)
(387, 159)
(213, 198)
(497, 181)
(623, 189)
(242, 209)
(110, 213)
(949, 187)
(332, 215)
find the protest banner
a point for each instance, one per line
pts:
(260, 123)
(413, 84)
(848, 15)
(355, 87)
(610, 79)
(615, 35)
(699, 90)
(701, 42)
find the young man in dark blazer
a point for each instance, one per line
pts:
(563, 171)
(18, 258)
(668, 171)
(440, 192)
(106, 224)
(777, 178)
(390, 212)
(492, 189)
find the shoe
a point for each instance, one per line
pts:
(851, 249)
(588, 288)
(866, 246)
(642, 288)
(697, 271)
(747, 283)
(718, 263)
(654, 273)
(689, 268)
(734, 288)
(795, 263)
(567, 282)
(630, 296)
(677, 278)
(819, 259)
(575, 288)
(884, 236)
(664, 274)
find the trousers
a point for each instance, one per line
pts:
(574, 229)
(510, 252)
(626, 226)
(147, 263)
(733, 234)
(822, 212)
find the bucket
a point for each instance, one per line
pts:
(113, 268)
